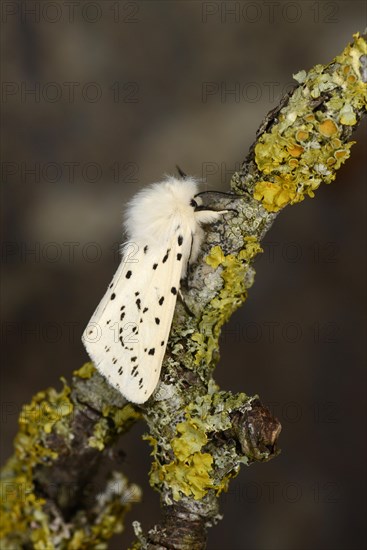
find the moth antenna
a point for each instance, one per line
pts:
(181, 173)
(229, 195)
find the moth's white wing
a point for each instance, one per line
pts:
(127, 335)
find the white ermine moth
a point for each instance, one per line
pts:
(127, 335)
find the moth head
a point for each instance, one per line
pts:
(196, 202)
(203, 212)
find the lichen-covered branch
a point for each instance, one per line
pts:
(49, 498)
(199, 434)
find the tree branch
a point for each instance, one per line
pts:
(200, 435)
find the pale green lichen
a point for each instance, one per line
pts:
(306, 146)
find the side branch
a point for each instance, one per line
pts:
(48, 493)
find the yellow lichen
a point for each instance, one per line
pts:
(189, 473)
(189, 441)
(288, 171)
(24, 518)
(328, 128)
(348, 116)
(302, 135)
(192, 478)
(275, 195)
(230, 297)
(86, 371)
(122, 417)
(98, 439)
(21, 508)
(295, 150)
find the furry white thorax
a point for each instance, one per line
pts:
(153, 213)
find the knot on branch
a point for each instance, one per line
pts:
(257, 431)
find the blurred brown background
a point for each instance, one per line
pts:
(99, 99)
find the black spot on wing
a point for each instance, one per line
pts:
(179, 256)
(145, 310)
(128, 274)
(157, 320)
(120, 371)
(174, 290)
(137, 293)
(145, 249)
(151, 351)
(138, 303)
(113, 296)
(161, 300)
(165, 258)
(155, 266)
(180, 240)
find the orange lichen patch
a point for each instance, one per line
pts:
(295, 150)
(341, 154)
(336, 143)
(309, 118)
(293, 163)
(330, 161)
(328, 128)
(302, 135)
